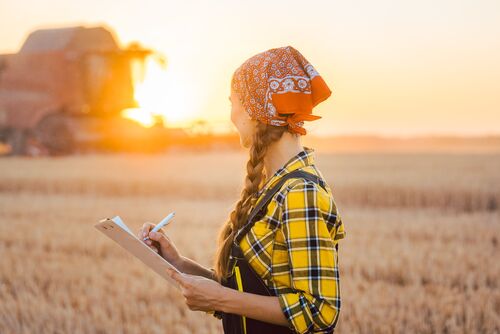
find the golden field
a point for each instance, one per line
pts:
(420, 255)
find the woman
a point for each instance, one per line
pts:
(276, 266)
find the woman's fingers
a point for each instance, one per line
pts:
(144, 230)
(199, 292)
(161, 238)
(178, 277)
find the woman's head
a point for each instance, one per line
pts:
(272, 94)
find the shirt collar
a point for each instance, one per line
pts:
(304, 158)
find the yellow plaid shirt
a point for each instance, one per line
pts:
(292, 247)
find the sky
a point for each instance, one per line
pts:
(395, 67)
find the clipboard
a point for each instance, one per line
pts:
(115, 229)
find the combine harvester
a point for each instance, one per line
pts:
(65, 90)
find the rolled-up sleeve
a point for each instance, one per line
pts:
(314, 303)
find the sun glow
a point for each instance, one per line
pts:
(162, 96)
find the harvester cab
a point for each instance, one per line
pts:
(65, 89)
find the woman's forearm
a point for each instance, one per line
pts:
(263, 308)
(188, 266)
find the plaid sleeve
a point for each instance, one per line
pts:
(314, 304)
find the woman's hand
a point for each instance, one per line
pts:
(161, 244)
(202, 294)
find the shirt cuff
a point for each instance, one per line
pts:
(290, 305)
(297, 309)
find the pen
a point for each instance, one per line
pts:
(161, 224)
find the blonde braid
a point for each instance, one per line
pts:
(264, 136)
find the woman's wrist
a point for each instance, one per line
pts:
(189, 266)
(179, 263)
(227, 299)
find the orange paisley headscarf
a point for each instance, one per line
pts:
(280, 87)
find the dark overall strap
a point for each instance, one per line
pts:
(270, 193)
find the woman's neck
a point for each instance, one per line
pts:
(278, 153)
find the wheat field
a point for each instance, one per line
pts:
(420, 255)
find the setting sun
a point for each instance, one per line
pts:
(161, 95)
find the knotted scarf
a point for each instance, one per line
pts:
(280, 87)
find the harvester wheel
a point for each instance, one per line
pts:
(16, 139)
(54, 132)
